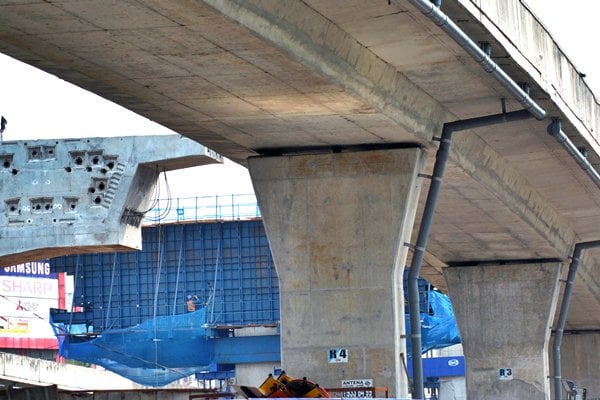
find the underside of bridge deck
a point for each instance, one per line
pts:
(263, 77)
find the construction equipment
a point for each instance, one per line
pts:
(284, 387)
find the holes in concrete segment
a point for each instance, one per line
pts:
(70, 204)
(95, 157)
(34, 153)
(100, 184)
(68, 169)
(40, 153)
(29, 221)
(92, 190)
(77, 157)
(13, 206)
(110, 161)
(14, 171)
(88, 169)
(41, 205)
(6, 160)
(98, 199)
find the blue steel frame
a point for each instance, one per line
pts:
(230, 260)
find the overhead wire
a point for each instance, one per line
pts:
(154, 205)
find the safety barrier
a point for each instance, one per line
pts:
(204, 208)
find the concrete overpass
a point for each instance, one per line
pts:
(270, 79)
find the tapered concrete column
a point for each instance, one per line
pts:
(337, 224)
(504, 314)
(580, 359)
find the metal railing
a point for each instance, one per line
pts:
(205, 208)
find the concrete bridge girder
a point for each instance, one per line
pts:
(492, 164)
(359, 73)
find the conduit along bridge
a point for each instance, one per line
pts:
(337, 108)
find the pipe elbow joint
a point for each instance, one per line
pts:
(555, 127)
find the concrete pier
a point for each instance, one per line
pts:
(580, 359)
(504, 314)
(337, 224)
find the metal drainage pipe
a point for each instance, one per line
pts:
(564, 311)
(447, 25)
(555, 130)
(441, 157)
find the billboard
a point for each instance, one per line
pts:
(27, 292)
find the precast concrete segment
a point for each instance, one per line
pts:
(72, 196)
(580, 358)
(504, 314)
(337, 226)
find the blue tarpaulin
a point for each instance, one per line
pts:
(438, 328)
(154, 353)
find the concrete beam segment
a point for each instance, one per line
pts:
(337, 224)
(580, 358)
(319, 43)
(83, 195)
(504, 314)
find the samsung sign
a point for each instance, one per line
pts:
(36, 268)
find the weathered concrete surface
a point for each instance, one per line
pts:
(580, 357)
(83, 195)
(32, 371)
(337, 224)
(247, 77)
(504, 314)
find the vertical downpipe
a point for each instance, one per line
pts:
(441, 158)
(439, 167)
(564, 312)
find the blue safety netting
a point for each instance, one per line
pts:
(438, 326)
(154, 353)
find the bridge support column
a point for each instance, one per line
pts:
(337, 224)
(504, 314)
(580, 358)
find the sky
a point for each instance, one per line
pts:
(41, 106)
(38, 105)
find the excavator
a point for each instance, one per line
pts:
(284, 387)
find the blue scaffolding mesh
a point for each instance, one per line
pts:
(154, 353)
